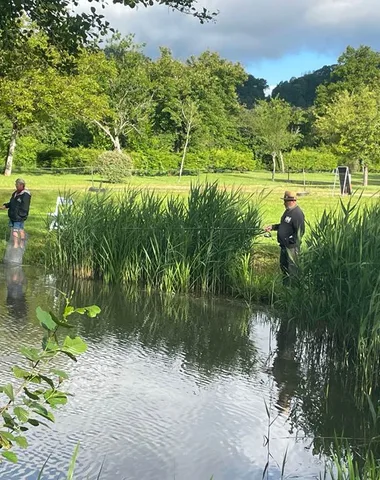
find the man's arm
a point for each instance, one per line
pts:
(25, 204)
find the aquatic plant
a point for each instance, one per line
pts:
(166, 243)
(37, 388)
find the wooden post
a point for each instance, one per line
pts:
(365, 175)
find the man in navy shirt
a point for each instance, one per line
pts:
(18, 211)
(289, 233)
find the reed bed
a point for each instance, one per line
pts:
(337, 293)
(166, 243)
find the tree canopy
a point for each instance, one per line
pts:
(68, 28)
(302, 91)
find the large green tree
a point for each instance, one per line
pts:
(275, 128)
(207, 81)
(252, 90)
(66, 26)
(123, 75)
(302, 91)
(356, 69)
(351, 125)
(33, 92)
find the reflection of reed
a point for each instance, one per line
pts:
(210, 333)
(330, 392)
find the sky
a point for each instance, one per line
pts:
(272, 39)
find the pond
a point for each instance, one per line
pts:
(172, 388)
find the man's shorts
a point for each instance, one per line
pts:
(16, 225)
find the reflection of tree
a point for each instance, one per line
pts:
(16, 299)
(211, 334)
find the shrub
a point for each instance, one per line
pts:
(161, 162)
(27, 151)
(312, 160)
(155, 161)
(114, 166)
(229, 159)
(64, 157)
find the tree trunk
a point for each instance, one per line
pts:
(274, 165)
(11, 151)
(116, 143)
(184, 151)
(282, 161)
(365, 176)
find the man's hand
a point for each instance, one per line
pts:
(268, 228)
(3, 207)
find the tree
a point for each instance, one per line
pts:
(33, 91)
(351, 125)
(68, 29)
(302, 91)
(214, 81)
(275, 126)
(356, 69)
(190, 119)
(126, 83)
(210, 82)
(251, 90)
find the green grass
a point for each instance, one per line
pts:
(46, 187)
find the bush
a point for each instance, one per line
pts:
(229, 159)
(27, 151)
(114, 166)
(65, 157)
(312, 160)
(152, 162)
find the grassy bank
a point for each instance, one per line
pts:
(45, 188)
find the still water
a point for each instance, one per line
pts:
(170, 388)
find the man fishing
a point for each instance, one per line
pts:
(289, 233)
(18, 210)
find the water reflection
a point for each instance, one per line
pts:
(16, 295)
(177, 387)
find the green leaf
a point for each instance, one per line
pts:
(31, 354)
(30, 394)
(48, 380)
(8, 390)
(8, 436)
(8, 420)
(33, 422)
(45, 319)
(21, 414)
(60, 374)
(93, 311)
(68, 311)
(75, 346)
(57, 400)
(10, 456)
(21, 442)
(20, 372)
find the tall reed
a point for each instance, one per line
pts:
(167, 243)
(337, 294)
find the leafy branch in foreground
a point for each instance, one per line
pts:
(37, 389)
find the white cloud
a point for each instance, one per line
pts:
(250, 30)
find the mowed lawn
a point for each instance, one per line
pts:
(319, 188)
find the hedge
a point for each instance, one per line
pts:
(311, 160)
